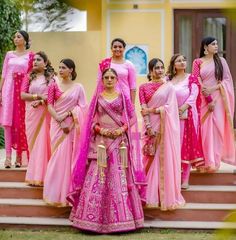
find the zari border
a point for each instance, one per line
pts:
(35, 183)
(161, 158)
(56, 204)
(162, 208)
(31, 145)
(108, 228)
(226, 106)
(61, 139)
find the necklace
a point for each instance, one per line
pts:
(110, 95)
(157, 81)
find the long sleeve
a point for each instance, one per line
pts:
(5, 65)
(191, 100)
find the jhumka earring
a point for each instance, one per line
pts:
(206, 52)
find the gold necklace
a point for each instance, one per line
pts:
(110, 95)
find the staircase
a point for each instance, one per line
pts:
(210, 199)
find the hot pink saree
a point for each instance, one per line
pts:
(164, 168)
(217, 126)
(64, 146)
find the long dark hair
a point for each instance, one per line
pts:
(71, 65)
(218, 64)
(25, 35)
(152, 63)
(48, 71)
(171, 68)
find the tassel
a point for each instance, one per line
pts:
(123, 154)
(101, 160)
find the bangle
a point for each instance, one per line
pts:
(35, 96)
(157, 110)
(42, 102)
(69, 113)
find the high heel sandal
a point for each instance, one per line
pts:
(7, 162)
(18, 162)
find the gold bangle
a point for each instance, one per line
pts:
(35, 96)
(42, 102)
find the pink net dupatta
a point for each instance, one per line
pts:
(19, 141)
(79, 171)
(191, 151)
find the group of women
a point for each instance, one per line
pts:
(91, 157)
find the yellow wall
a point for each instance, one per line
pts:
(83, 47)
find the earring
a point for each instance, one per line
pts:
(206, 52)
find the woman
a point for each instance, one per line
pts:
(217, 108)
(124, 68)
(108, 175)
(34, 92)
(67, 106)
(189, 103)
(161, 140)
(12, 109)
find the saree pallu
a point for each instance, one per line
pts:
(63, 148)
(164, 168)
(111, 203)
(217, 126)
(19, 140)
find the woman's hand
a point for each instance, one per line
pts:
(42, 97)
(35, 104)
(150, 132)
(206, 91)
(145, 111)
(118, 132)
(61, 117)
(211, 106)
(64, 127)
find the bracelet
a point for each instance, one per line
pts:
(42, 102)
(35, 96)
(157, 110)
(69, 113)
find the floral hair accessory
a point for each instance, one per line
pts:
(105, 64)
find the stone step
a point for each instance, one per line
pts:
(12, 175)
(210, 194)
(203, 225)
(32, 222)
(222, 177)
(20, 190)
(192, 212)
(31, 208)
(35, 221)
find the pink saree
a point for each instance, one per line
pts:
(37, 131)
(63, 146)
(164, 168)
(217, 126)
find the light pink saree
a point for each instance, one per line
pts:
(38, 138)
(164, 169)
(63, 146)
(217, 126)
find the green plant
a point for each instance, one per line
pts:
(2, 143)
(10, 22)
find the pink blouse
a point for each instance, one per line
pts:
(53, 93)
(147, 90)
